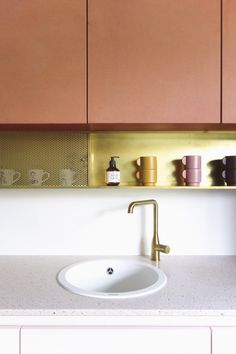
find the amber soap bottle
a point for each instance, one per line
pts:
(113, 173)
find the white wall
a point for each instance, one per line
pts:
(47, 221)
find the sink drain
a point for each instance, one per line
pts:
(110, 270)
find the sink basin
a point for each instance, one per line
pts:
(112, 278)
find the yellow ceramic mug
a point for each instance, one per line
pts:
(147, 174)
(147, 162)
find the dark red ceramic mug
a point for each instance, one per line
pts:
(229, 162)
(229, 177)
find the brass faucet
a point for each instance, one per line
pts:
(156, 246)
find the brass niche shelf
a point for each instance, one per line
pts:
(165, 187)
(88, 155)
(122, 187)
(169, 147)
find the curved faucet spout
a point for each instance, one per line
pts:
(156, 246)
(141, 202)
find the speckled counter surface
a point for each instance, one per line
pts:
(197, 285)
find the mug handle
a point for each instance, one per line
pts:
(184, 174)
(184, 161)
(47, 176)
(223, 174)
(138, 162)
(138, 175)
(18, 175)
(224, 161)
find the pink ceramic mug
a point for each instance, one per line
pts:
(192, 176)
(192, 161)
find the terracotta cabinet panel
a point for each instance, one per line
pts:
(155, 61)
(43, 61)
(229, 60)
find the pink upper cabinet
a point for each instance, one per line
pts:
(229, 61)
(154, 61)
(43, 61)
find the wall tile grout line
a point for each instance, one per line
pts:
(20, 340)
(211, 339)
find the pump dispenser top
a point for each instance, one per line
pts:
(112, 162)
(113, 173)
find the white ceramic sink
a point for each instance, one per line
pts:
(112, 278)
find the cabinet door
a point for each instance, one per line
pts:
(154, 61)
(115, 341)
(42, 64)
(9, 341)
(229, 59)
(224, 340)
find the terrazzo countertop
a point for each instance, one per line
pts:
(197, 285)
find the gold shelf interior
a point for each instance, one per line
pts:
(169, 147)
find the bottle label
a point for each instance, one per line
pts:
(113, 177)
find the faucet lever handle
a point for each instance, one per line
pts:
(162, 248)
